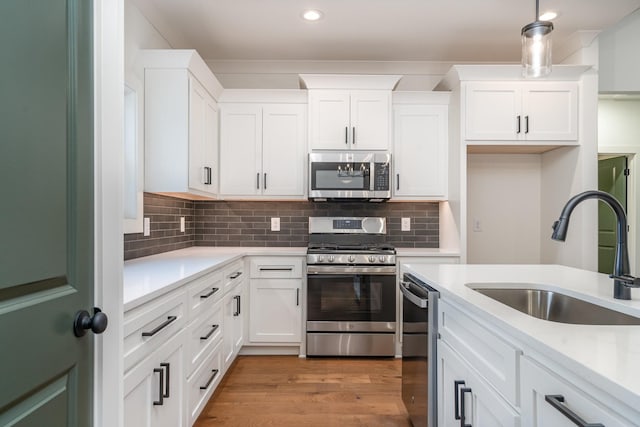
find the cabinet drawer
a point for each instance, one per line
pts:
(539, 382)
(493, 357)
(203, 383)
(204, 292)
(232, 275)
(204, 333)
(276, 267)
(148, 326)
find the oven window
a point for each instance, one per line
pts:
(340, 176)
(351, 298)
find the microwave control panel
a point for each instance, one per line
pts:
(381, 178)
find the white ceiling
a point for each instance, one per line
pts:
(370, 30)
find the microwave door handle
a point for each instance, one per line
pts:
(372, 176)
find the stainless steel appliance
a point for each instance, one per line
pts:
(419, 338)
(350, 175)
(351, 288)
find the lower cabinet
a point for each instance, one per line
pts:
(202, 384)
(153, 390)
(233, 332)
(548, 399)
(276, 317)
(466, 399)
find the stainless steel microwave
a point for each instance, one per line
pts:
(338, 175)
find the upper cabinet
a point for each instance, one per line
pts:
(181, 124)
(420, 147)
(263, 148)
(349, 112)
(532, 111)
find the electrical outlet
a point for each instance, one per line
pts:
(275, 224)
(405, 225)
(477, 227)
(146, 225)
(182, 226)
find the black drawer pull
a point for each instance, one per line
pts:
(167, 366)
(526, 124)
(557, 400)
(214, 328)
(518, 124)
(160, 327)
(276, 268)
(210, 380)
(463, 391)
(456, 399)
(207, 173)
(236, 275)
(213, 291)
(160, 400)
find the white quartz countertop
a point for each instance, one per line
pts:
(148, 277)
(426, 252)
(609, 356)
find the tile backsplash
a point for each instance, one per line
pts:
(248, 223)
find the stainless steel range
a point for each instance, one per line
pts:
(351, 288)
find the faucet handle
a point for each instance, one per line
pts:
(627, 280)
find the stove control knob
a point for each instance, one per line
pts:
(382, 258)
(331, 258)
(372, 258)
(352, 258)
(320, 258)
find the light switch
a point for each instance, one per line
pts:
(146, 225)
(275, 224)
(405, 225)
(477, 227)
(182, 227)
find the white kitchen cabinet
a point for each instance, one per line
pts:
(349, 119)
(420, 152)
(154, 389)
(233, 323)
(462, 392)
(521, 111)
(275, 300)
(262, 150)
(202, 384)
(181, 124)
(539, 384)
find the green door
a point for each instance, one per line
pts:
(611, 179)
(46, 211)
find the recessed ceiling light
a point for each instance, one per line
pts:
(312, 15)
(548, 16)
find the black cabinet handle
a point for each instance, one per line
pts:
(167, 366)
(463, 391)
(264, 184)
(213, 291)
(214, 328)
(526, 124)
(237, 312)
(456, 399)
(297, 297)
(160, 327)
(276, 269)
(353, 138)
(160, 400)
(346, 134)
(210, 380)
(557, 400)
(518, 124)
(207, 174)
(397, 181)
(236, 275)
(258, 180)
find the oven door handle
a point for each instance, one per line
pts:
(389, 270)
(416, 300)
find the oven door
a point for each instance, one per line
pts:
(351, 299)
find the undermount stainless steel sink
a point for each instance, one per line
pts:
(556, 306)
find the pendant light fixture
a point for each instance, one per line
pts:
(536, 47)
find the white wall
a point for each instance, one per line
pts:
(503, 198)
(619, 58)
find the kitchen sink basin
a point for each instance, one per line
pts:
(557, 307)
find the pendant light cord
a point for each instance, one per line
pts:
(537, 11)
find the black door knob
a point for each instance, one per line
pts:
(83, 321)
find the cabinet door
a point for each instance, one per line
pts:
(283, 149)
(210, 146)
(275, 311)
(197, 124)
(537, 383)
(480, 404)
(551, 111)
(240, 150)
(370, 117)
(420, 151)
(233, 325)
(493, 111)
(329, 126)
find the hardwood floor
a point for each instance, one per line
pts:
(289, 391)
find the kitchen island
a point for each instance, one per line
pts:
(510, 354)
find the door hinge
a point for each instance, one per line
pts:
(627, 172)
